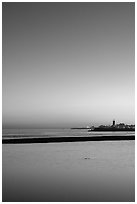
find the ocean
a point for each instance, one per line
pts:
(25, 133)
(93, 171)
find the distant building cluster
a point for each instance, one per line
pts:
(114, 127)
(123, 126)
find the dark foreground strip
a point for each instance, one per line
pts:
(65, 139)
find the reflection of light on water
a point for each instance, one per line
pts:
(12, 133)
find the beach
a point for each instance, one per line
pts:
(81, 171)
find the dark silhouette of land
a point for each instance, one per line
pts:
(80, 128)
(114, 127)
(99, 129)
(66, 139)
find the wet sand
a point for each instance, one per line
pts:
(66, 139)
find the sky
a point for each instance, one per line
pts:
(67, 64)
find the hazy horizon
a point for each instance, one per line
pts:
(68, 64)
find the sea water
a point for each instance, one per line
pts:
(79, 171)
(18, 133)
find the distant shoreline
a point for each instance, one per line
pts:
(79, 128)
(111, 130)
(105, 129)
(66, 139)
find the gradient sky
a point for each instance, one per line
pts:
(68, 64)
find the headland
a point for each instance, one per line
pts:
(114, 127)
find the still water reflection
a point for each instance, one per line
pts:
(83, 171)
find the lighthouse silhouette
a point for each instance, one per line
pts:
(113, 122)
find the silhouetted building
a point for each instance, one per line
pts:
(114, 127)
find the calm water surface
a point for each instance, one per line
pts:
(18, 133)
(80, 171)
